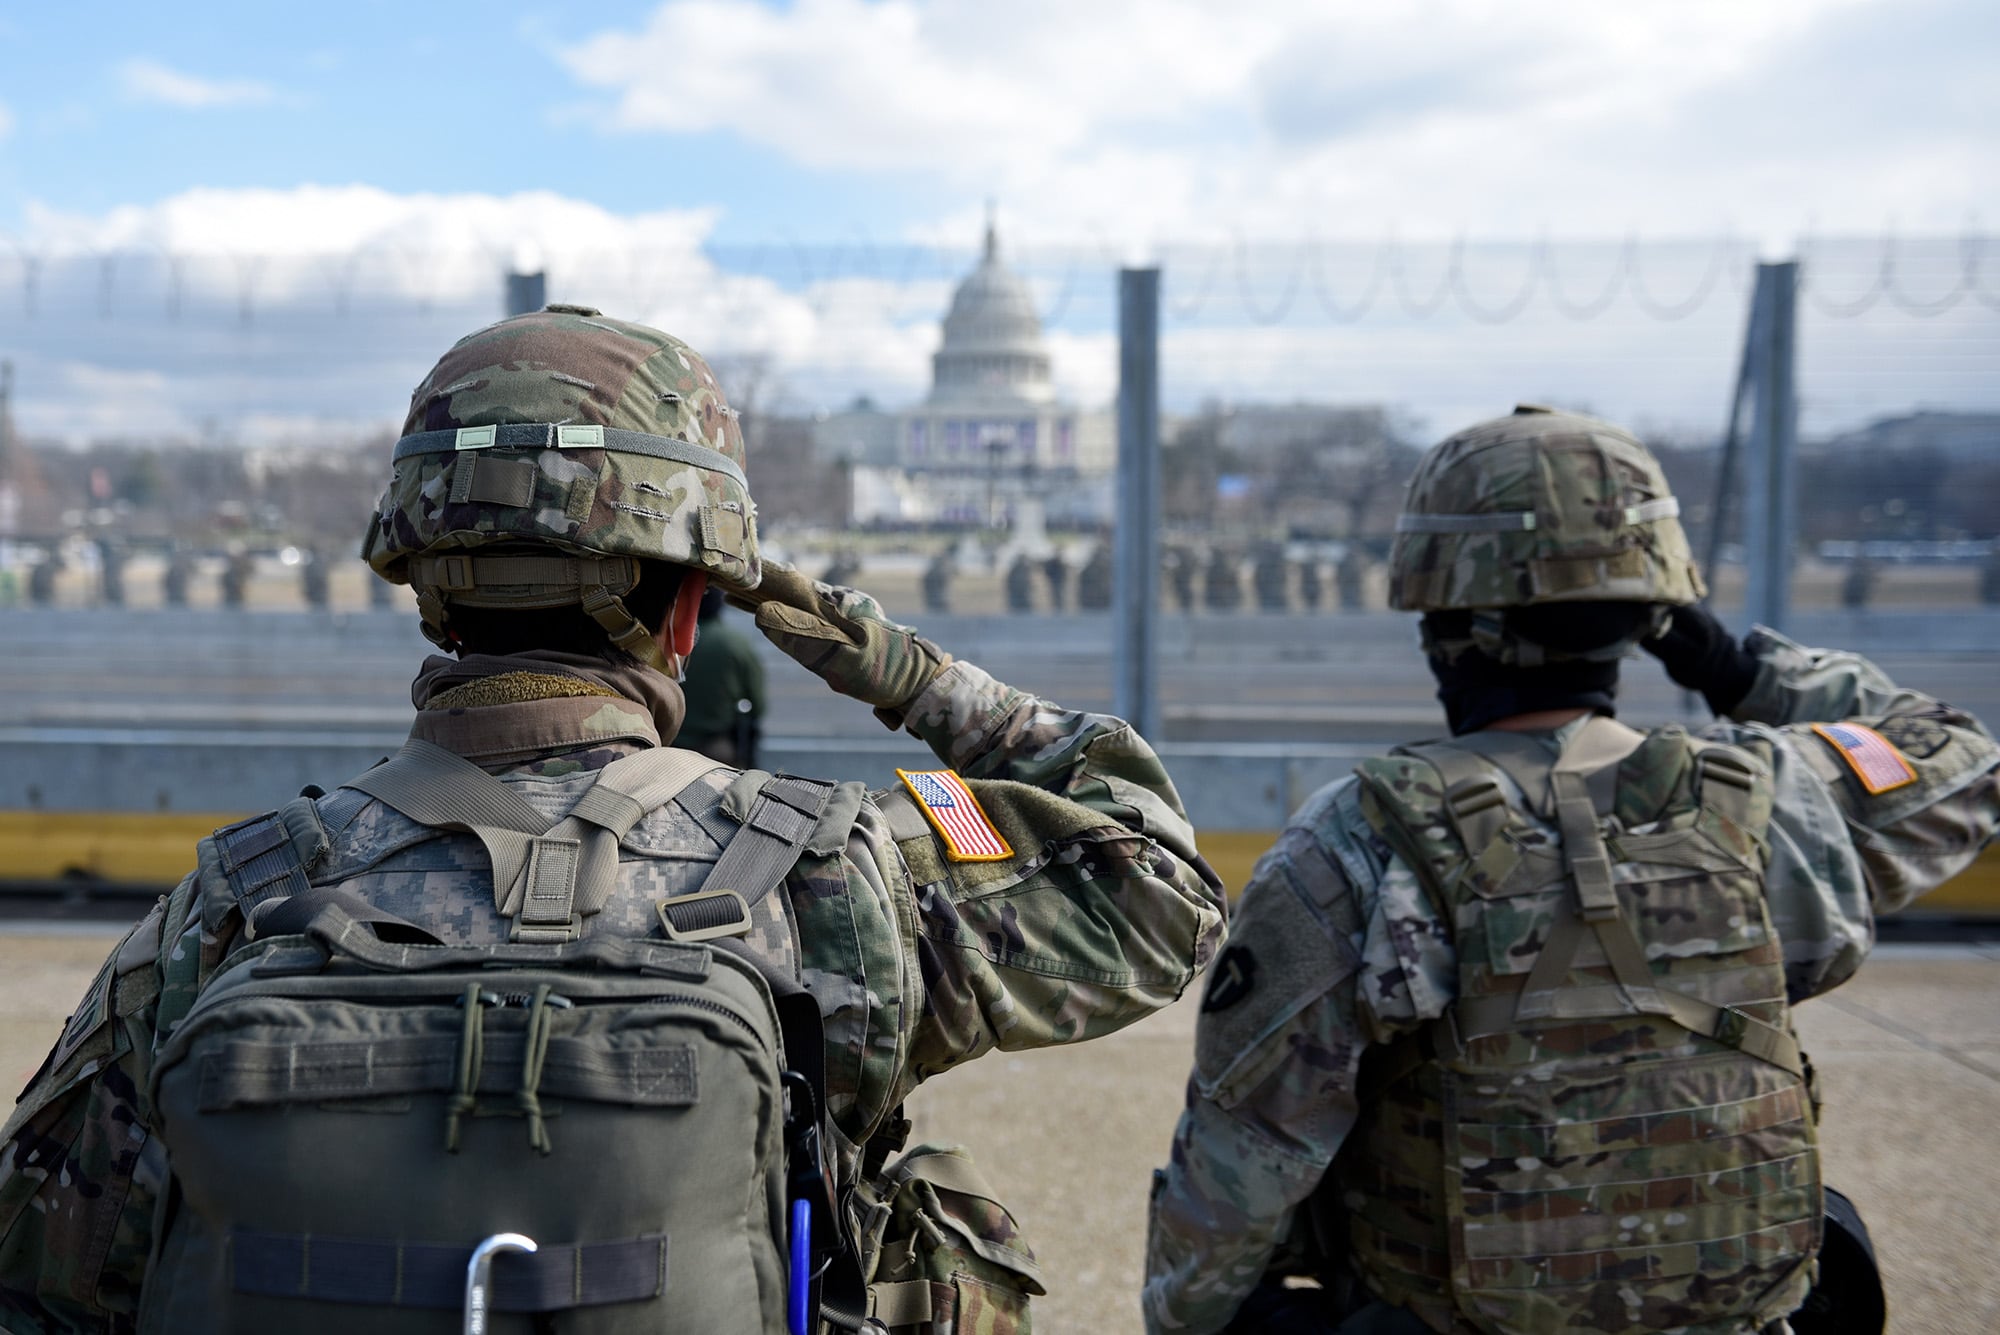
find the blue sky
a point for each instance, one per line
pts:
(121, 104)
(310, 197)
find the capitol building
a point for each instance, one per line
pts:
(991, 445)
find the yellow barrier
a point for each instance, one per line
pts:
(157, 848)
(151, 848)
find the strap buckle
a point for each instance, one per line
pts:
(1725, 767)
(453, 574)
(1597, 896)
(1731, 1026)
(705, 915)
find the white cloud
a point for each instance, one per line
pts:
(250, 307)
(150, 81)
(275, 316)
(1174, 118)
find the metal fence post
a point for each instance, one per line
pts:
(1136, 572)
(1771, 496)
(527, 292)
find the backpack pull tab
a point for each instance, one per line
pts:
(471, 1055)
(548, 906)
(533, 1056)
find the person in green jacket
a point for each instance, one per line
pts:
(724, 687)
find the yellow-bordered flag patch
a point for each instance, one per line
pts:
(955, 813)
(1879, 765)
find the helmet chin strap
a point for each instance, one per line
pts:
(531, 580)
(626, 631)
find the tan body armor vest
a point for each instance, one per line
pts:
(1611, 1129)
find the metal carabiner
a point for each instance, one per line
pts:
(479, 1275)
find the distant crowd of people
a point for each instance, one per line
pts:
(1213, 581)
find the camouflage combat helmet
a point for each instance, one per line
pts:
(544, 456)
(1539, 506)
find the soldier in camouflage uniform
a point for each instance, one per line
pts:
(1500, 1039)
(564, 478)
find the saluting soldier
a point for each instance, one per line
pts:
(1501, 1040)
(545, 997)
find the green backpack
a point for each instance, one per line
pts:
(351, 1107)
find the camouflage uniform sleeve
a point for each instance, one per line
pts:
(1839, 853)
(1272, 1095)
(79, 1168)
(1101, 914)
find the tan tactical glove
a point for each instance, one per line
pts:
(840, 634)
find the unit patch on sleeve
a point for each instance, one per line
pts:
(1231, 980)
(1879, 765)
(952, 809)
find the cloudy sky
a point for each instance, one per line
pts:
(254, 220)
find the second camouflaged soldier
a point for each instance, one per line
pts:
(528, 976)
(1501, 1036)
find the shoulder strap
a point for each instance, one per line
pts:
(293, 914)
(547, 874)
(267, 857)
(755, 861)
(1725, 782)
(1589, 752)
(1472, 796)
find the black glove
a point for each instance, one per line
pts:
(1699, 653)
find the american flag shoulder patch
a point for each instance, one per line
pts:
(956, 815)
(1878, 764)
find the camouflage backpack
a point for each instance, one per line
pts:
(620, 1130)
(1611, 1128)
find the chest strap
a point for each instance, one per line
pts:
(548, 874)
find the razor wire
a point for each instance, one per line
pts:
(1421, 281)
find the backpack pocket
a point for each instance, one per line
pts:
(340, 1141)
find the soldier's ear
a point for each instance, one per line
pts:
(677, 635)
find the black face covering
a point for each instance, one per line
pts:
(1477, 690)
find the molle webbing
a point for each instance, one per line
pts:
(266, 858)
(1547, 1155)
(252, 1075)
(1582, 782)
(555, 1278)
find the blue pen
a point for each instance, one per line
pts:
(800, 1291)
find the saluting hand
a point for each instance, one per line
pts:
(1699, 653)
(841, 635)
